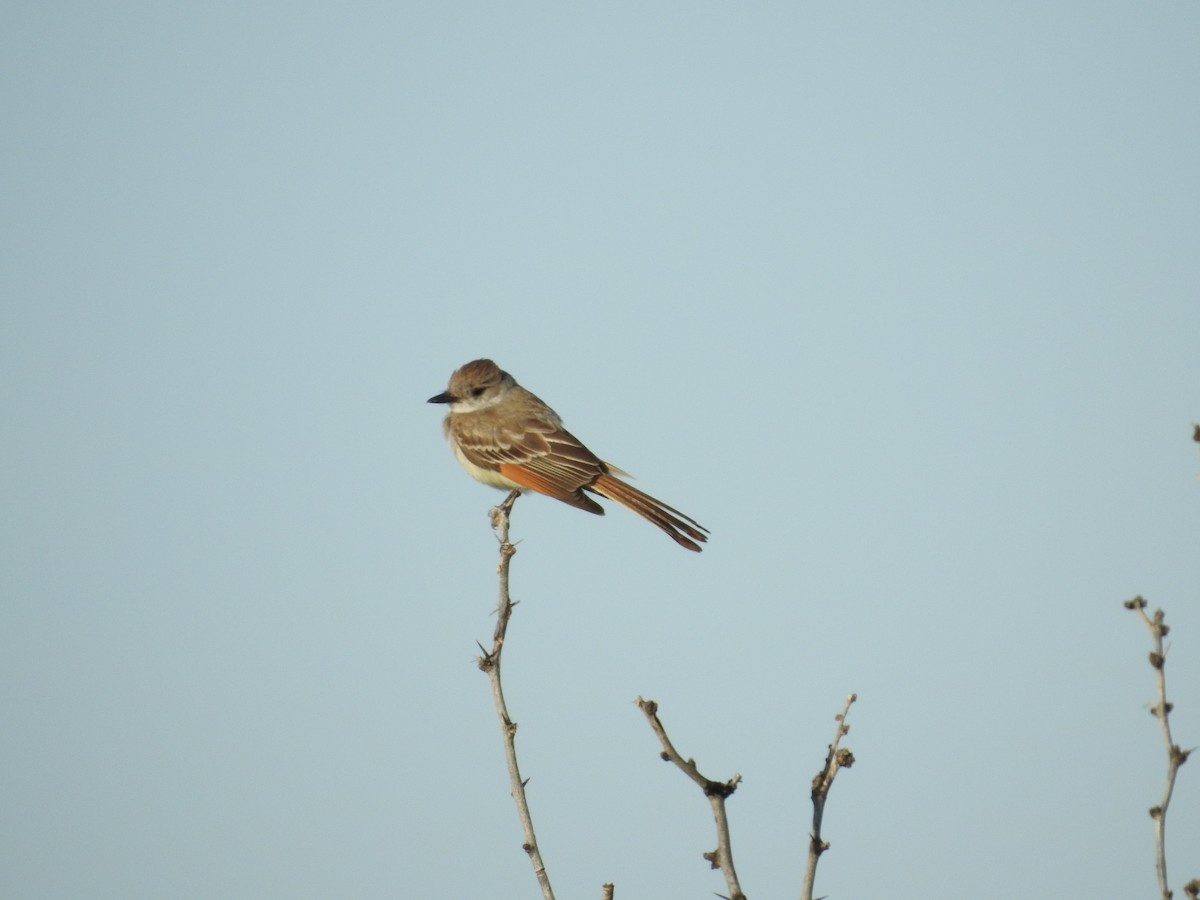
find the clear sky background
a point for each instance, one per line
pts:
(902, 301)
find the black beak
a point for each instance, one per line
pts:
(443, 397)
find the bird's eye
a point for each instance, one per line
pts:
(477, 392)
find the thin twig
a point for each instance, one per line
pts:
(715, 791)
(838, 758)
(1176, 756)
(490, 663)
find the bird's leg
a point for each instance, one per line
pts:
(507, 505)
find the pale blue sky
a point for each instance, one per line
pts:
(902, 301)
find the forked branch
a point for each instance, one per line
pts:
(715, 791)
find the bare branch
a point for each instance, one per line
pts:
(489, 662)
(715, 791)
(1176, 756)
(837, 758)
(606, 891)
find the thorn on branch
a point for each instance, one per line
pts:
(487, 661)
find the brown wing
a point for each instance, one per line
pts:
(536, 454)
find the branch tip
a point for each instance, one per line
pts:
(837, 758)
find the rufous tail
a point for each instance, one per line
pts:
(670, 520)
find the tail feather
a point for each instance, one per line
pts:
(669, 519)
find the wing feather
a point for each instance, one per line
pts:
(536, 454)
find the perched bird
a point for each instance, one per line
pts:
(506, 437)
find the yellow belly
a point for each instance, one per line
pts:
(487, 476)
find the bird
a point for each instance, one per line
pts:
(508, 438)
